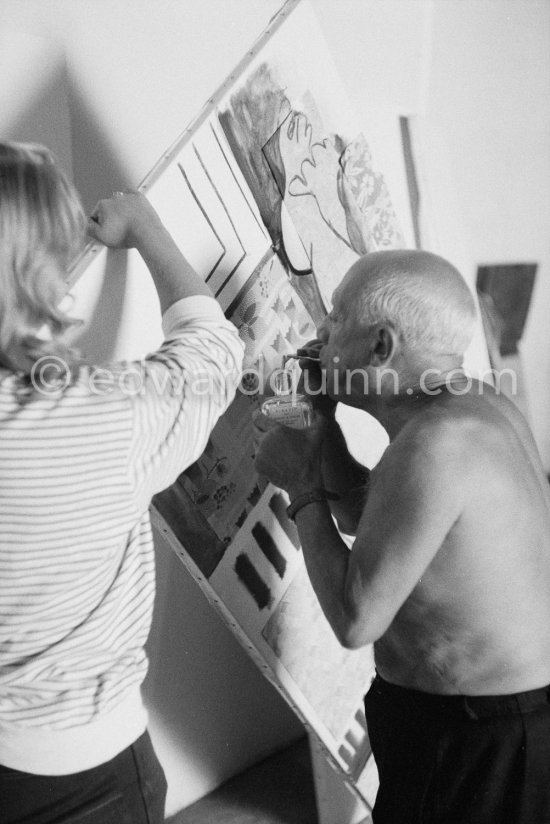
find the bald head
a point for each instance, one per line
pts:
(421, 295)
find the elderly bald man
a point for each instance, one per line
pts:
(449, 572)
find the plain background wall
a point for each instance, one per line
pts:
(109, 85)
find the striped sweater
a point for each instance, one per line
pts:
(78, 466)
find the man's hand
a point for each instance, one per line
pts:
(124, 221)
(289, 458)
(313, 380)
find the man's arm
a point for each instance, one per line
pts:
(416, 498)
(342, 474)
(345, 477)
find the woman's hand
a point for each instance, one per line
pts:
(125, 220)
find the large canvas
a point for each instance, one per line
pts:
(272, 194)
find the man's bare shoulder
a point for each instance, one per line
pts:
(440, 432)
(467, 437)
(479, 418)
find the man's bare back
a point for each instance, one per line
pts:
(476, 622)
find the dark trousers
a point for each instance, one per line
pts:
(129, 789)
(459, 759)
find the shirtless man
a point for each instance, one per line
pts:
(449, 573)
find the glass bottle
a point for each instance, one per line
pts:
(287, 406)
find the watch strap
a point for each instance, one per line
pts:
(311, 497)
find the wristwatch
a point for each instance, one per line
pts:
(311, 497)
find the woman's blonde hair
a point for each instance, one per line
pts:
(42, 228)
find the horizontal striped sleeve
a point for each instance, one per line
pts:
(187, 385)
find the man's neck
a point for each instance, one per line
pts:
(394, 410)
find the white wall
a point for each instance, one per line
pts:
(109, 84)
(489, 96)
(478, 74)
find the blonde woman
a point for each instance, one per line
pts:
(79, 463)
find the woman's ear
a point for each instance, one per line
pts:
(384, 345)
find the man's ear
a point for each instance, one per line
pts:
(383, 345)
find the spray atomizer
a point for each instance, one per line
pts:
(287, 406)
